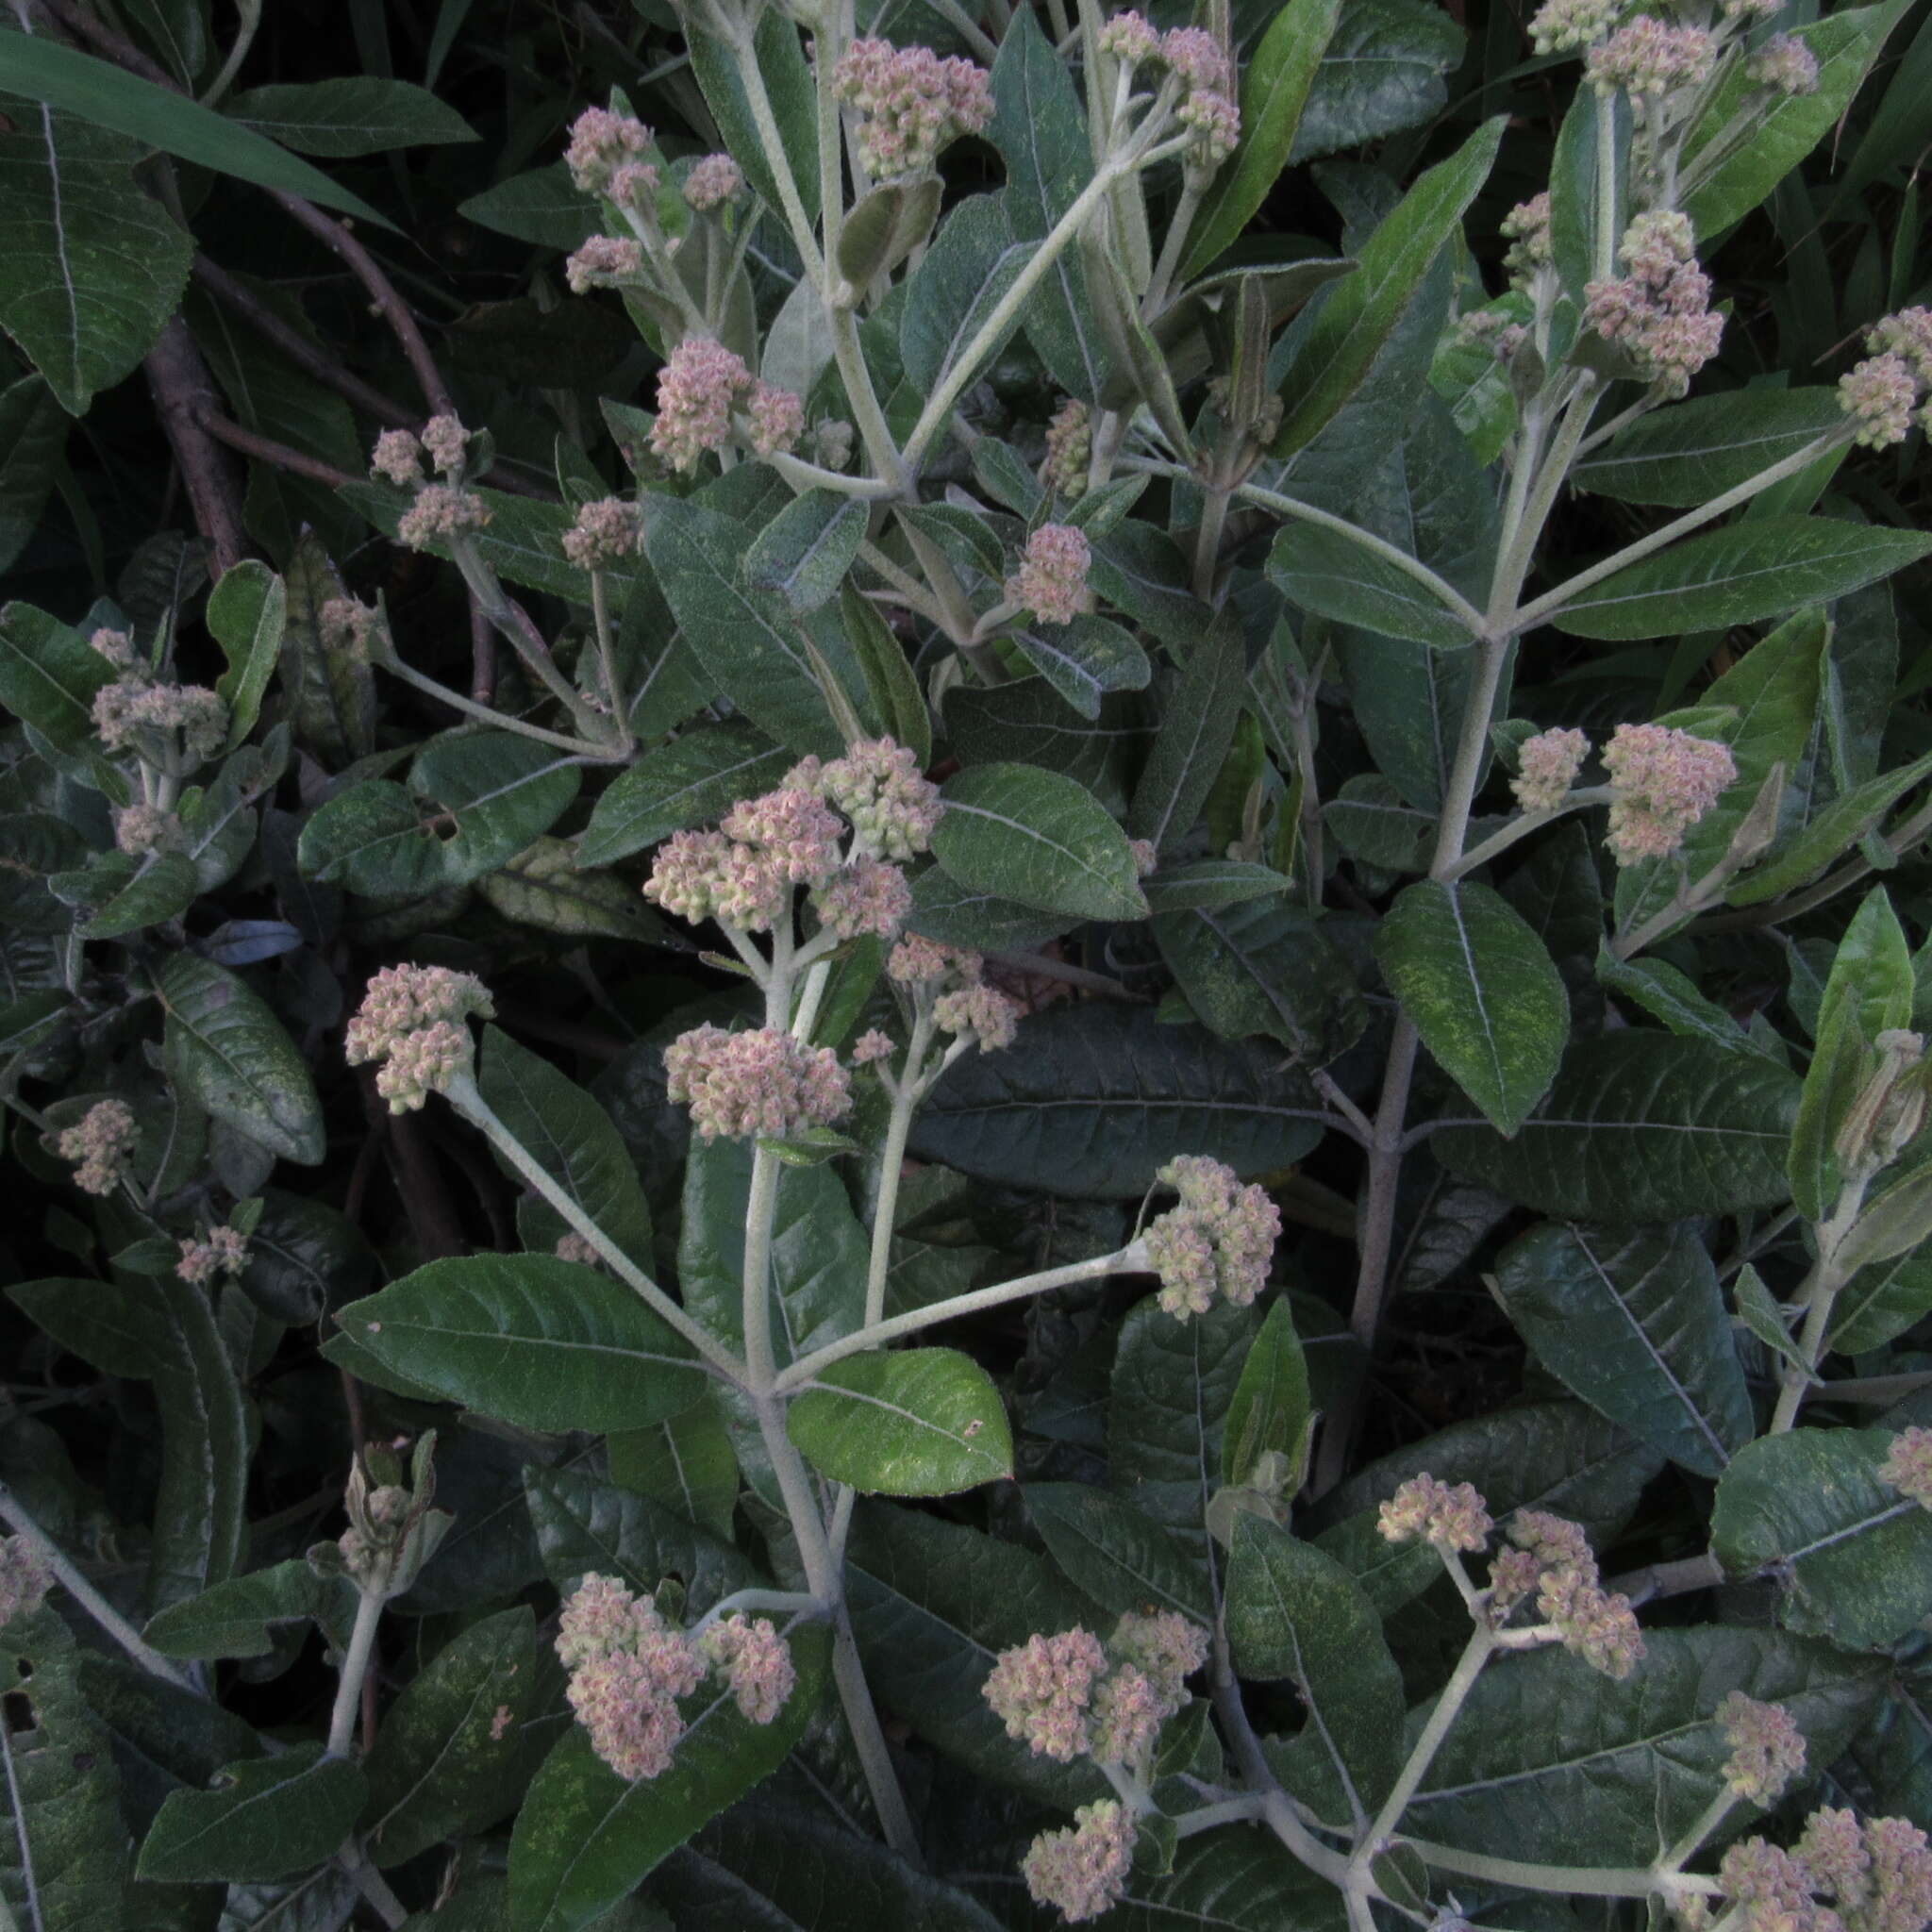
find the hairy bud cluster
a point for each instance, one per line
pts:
(755, 1662)
(1218, 1241)
(713, 182)
(1449, 1516)
(1052, 578)
(25, 1577)
(1648, 57)
(572, 1246)
(413, 1018)
(605, 157)
(1526, 228)
(346, 625)
(1907, 1466)
(1660, 311)
(1069, 447)
(1767, 1748)
(1881, 392)
(1083, 1870)
(610, 531)
(176, 726)
(1664, 781)
(1568, 27)
(759, 1082)
(954, 980)
(439, 513)
(909, 103)
(392, 1530)
(1597, 1625)
(1840, 1876)
(1547, 766)
(140, 830)
(1785, 65)
(225, 1252)
(698, 388)
(890, 805)
(604, 261)
(102, 1144)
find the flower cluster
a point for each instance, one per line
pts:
(762, 1082)
(909, 103)
(413, 1018)
(1552, 1557)
(698, 388)
(1767, 1748)
(25, 1577)
(891, 806)
(627, 1670)
(1069, 1695)
(572, 1246)
(440, 512)
(867, 897)
(755, 1662)
(1052, 578)
(1664, 781)
(225, 1252)
(1648, 57)
(398, 456)
(605, 157)
(1083, 1870)
(1660, 309)
(1547, 766)
(1526, 228)
(1907, 1466)
(604, 261)
(1218, 1241)
(954, 980)
(1449, 1516)
(1069, 447)
(1880, 394)
(174, 727)
(1784, 64)
(713, 181)
(1567, 26)
(102, 1142)
(607, 532)
(1840, 1876)
(140, 830)
(743, 872)
(346, 625)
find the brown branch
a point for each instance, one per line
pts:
(482, 652)
(268, 451)
(184, 392)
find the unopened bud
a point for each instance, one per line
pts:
(1890, 1109)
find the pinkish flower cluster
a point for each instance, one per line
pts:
(867, 897)
(1907, 332)
(607, 532)
(918, 962)
(1908, 1465)
(1069, 1695)
(1449, 1516)
(344, 624)
(755, 1663)
(1785, 65)
(954, 980)
(605, 157)
(1767, 1748)
(1215, 120)
(102, 1142)
(397, 458)
(441, 513)
(1547, 766)
(25, 1577)
(871, 1046)
(225, 1252)
(1147, 857)
(1130, 38)
(1083, 1870)
(446, 443)
(1567, 26)
(167, 723)
(117, 647)
(572, 1246)
(1552, 1558)
(1664, 781)
(1218, 1241)
(910, 104)
(140, 830)
(1052, 579)
(604, 261)
(698, 388)
(799, 836)
(700, 875)
(1069, 448)
(714, 180)
(1526, 228)
(1660, 311)
(1877, 394)
(759, 1083)
(979, 1012)
(628, 1668)
(1648, 57)
(1840, 1876)
(414, 1020)
(891, 806)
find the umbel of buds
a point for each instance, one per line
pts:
(961, 1002)
(1218, 1241)
(1659, 309)
(225, 1252)
(25, 1577)
(1840, 1876)
(909, 104)
(699, 387)
(102, 1144)
(414, 1021)
(392, 1530)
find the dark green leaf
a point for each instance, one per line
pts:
(919, 1421)
(1695, 450)
(585, 1524)
(696, 777)
(359, 114)
(1196, 730)
(267, 1818)
(48, 673)
(1120, 1557)
(1038, 836)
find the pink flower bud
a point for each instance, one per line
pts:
(1547, 767)
(910, 104)
(1878, 396)
(756, 1663)
(102, 1142)
(445, 441)
(607, 532)
(1218, 1241)
(398, 457)
(600, 142)
(715, 179)
(869, 896)
(1767, 1748)
(697, 389)
(1043, 1690)
(1665, 781)
(1083, 1870)
(1908, 1465)
(1450, 1517)
(759, 1082)
(1070, 436)
(225, 1252)
(1052, 580)
(439, 513)
(604, 261)
(982, 1012)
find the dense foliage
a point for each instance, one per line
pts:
(965, 965)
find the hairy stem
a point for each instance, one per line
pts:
(341, 1721)
(1448, 1707)
(1589, 1881)
(1819, 1294)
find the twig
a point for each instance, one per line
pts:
(184, 392)
(265, 449)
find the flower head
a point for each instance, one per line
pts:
(762, 1082)
(1878, 396)
(700, 875)
(1664, 781)
(440, 512)
(1767, 1748)
(1129, 39)
(1526, 228)
(604, 261)
(1648, 57)
(140, 830)
(413, 1018)
(980, 1011)
(1784, 64)
(798, 835)
(871, 1046)
(1596, 1625)
(1660, 311)
(168, 718)
(1042, 1691)
(1547, 766)
(1070, 444)
(910, 104)
(879, 788)
(1216, 122)
(1218, 1241)
(917, 960)
(102, 1142)
(1451, 1517)
(756, 1663)
(869, 896)
(117, 647)
(572, 1246)
(1907, 1466)
(715, 179)
(1197, 59)
(25, 1577)
(344, 624)
(1567, 26)
(1908, 333)
(1052, 579)
(397, 458)
(445, 441)
(225, 1252)
(1164, 1646)
(606, 532)
(628, 1669)
(601, 142)
(697, 388)
(777, 417)
(1083, 1870)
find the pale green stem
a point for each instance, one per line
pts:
(1207, 543)
(1552, 601)
(760, 1207)
(1552, 472)
(781, 1603)
(374, 1887)
(1605, 187)
(16, 1516)
(892, 1161)
(1820, 1292)
(342, 1721)
(1589, 1881)
(463, 1095)
(1131, 1259)
(1523, 825)
(498, 721)
(249, 20)
(803, 476)
(914, 597)
(1155, 298)
(670, 280)
(1523, 476)
(16, 1810)
(772, 143)
(1246, 1810)
(1448, 1707)
(1707, 1821)
(607, 657)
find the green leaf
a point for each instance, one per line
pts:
(1359, 314)
(1739, 574)
(543, 887)
(543, 207)
(33, 435)
(1669, 995)
(1880, 1303)
(1482, 990)
(119, 1328)
(239, 1616)
(1095, 1096)
(1275, 81)
(48, 673)
(1270, 1412)
(803, 554)
(1039, 837)
(1196, 728)
(585, 1837)
(1852, 1556)
(789, 84)
(1085, 659)
(919, 1421)
(1264, 966)
(1785, 128)
(1692, 451)
(1334, 577)
(160, 885)
(746, 639)
(1635, 1323)
(1641, 1127)
(584, 1524)
(247, 612)
(226, 1051)
(973, 261)
(569, 1135)
(447, 1760)
(350, 115)
(73, 83)
(1123, 1559)
(1371, 823)
(267, 1818)
(530, 1340)
(1840, 825)
(887, 673)
(1553, 1761)
(695, 779)
(1383, 70)
(1206, 885)
(686, 1463)
(1295, 1612)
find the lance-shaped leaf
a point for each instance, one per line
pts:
(584, 1524)
(698, 777)
(1334, 577)
(1270, 1411)
(1695, 450)
(49, 673)
(1039, 837)
(266, 1818)
(248, 611)
(1121, 1559)
(921, 1422)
